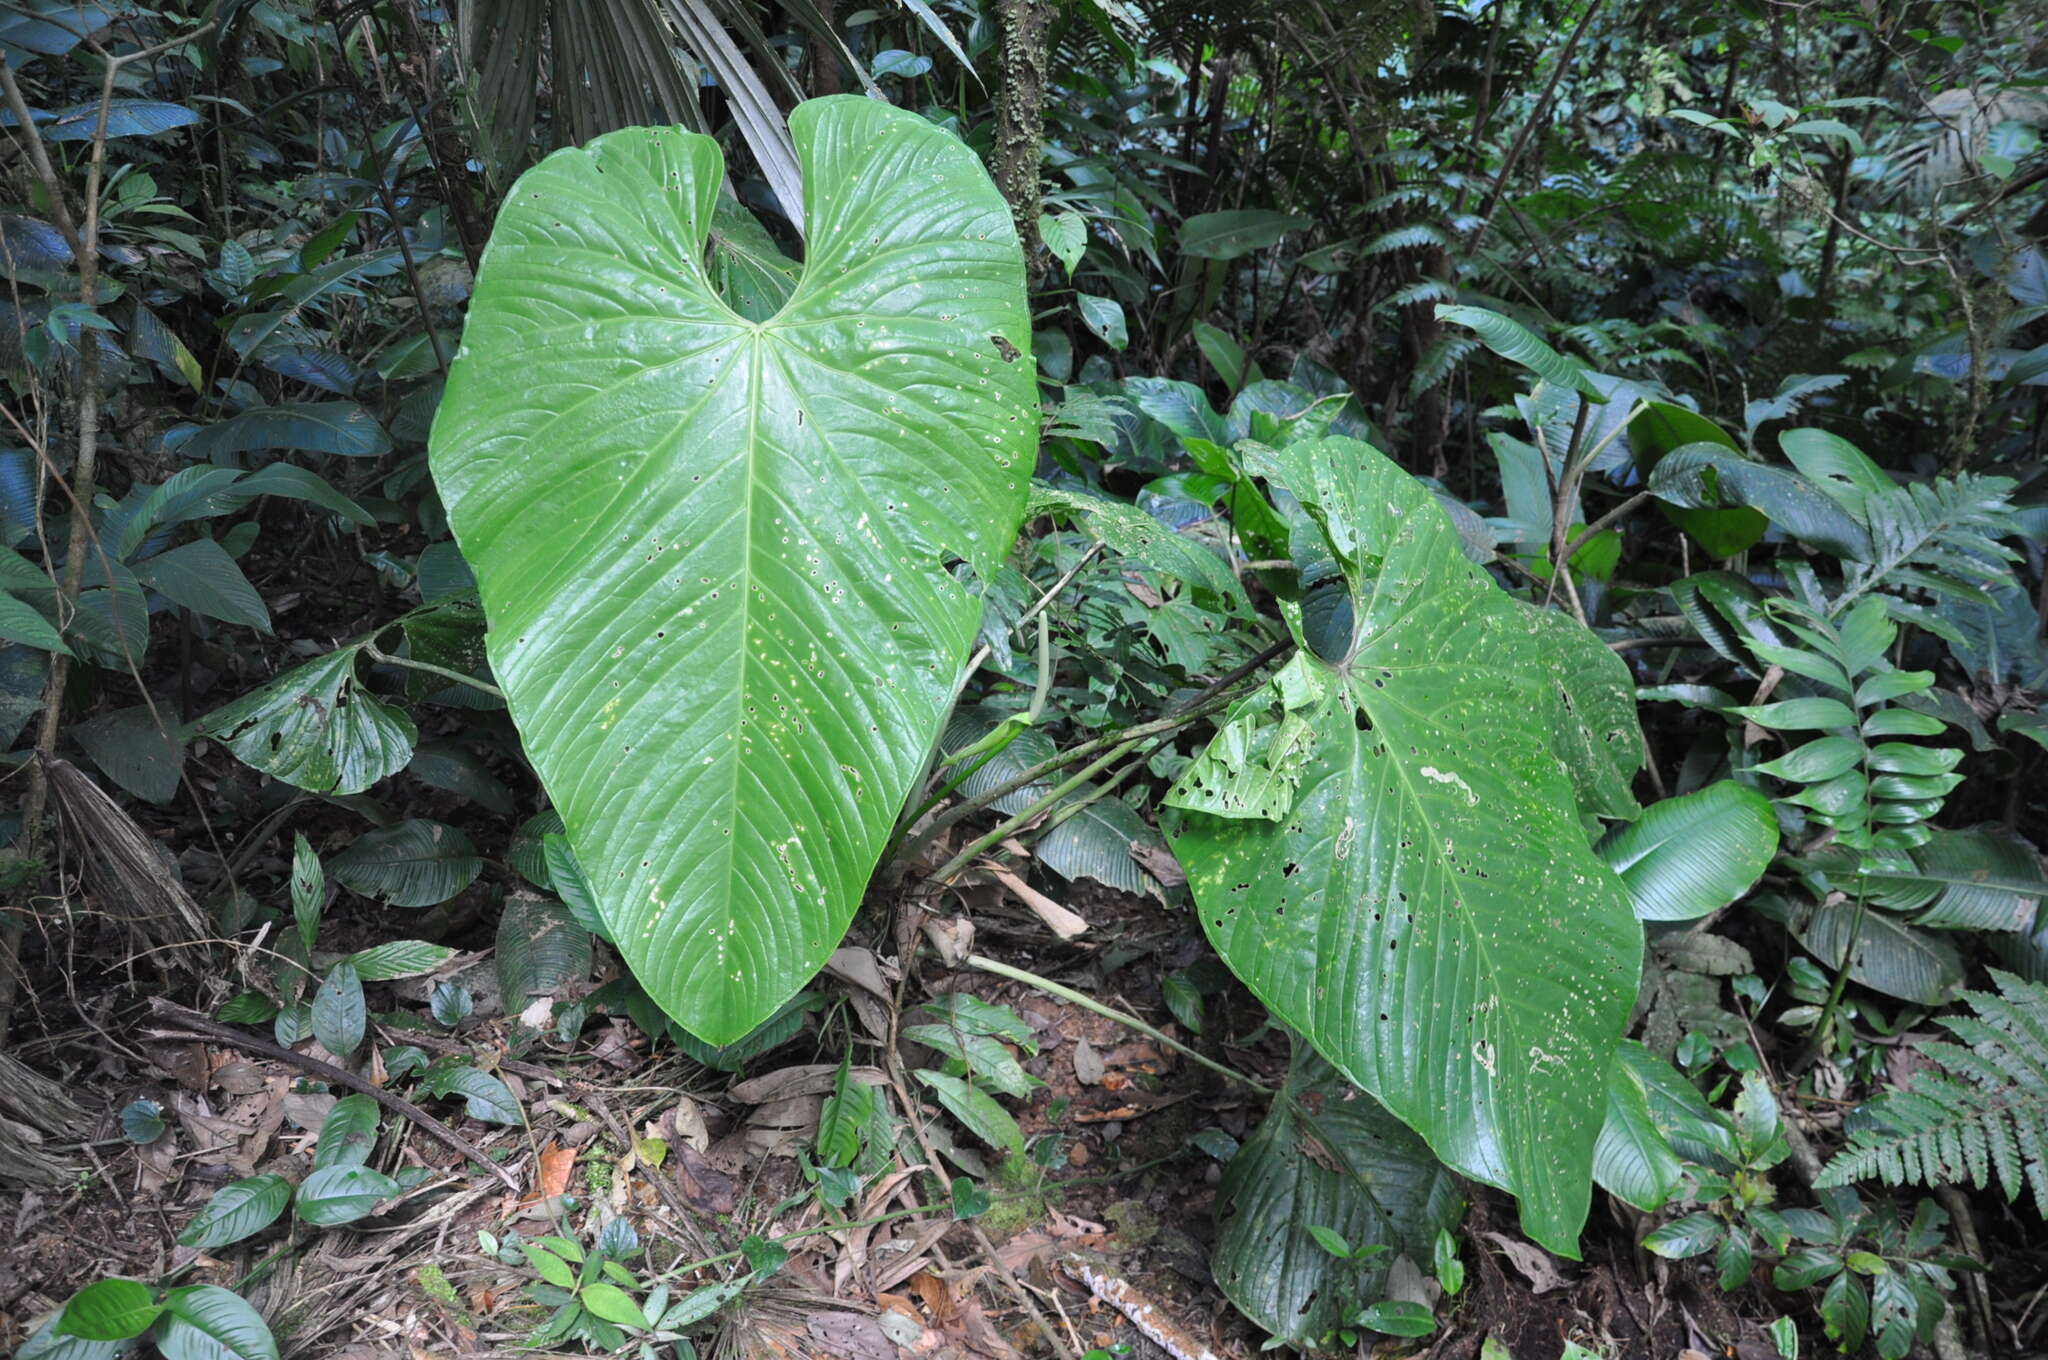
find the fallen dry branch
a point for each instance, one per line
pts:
(194, 1026)
(1161, 1330)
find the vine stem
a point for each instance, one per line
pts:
(1208, 701)
(370, 650)
(192, 1025)
(1108, 1012)
(83, 241)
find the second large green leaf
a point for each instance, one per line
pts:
(728, 563)
(1429, 913)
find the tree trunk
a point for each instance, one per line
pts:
(1020, 112)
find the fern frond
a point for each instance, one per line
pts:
(1981, 1112)
(1416, 237)
(1422, 290)
(1939, 537)
(1439, 361)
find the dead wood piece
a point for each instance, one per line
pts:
(192, 1025)
(122, 865)
(1161, 1330)
(33, 1111)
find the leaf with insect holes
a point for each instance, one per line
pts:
(317, 728)
(717, 553)
(1457, 723)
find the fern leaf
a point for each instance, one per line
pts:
(1923, 531)
(1414, 237)
(1980, 1113)
(1439, 361)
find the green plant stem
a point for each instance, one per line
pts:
(1571, 549)
(1125, 1018)
(1823, 1030)
(370, 650)
(1208, 701)
(1036, 809)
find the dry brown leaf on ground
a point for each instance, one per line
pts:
(551, 1170)
(1536, 1265)
(805, 1079)
(703, 1185)
(861, 968)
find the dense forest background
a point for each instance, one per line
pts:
(1720, 330)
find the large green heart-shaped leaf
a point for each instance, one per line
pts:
(1429, 913)
(717, 554)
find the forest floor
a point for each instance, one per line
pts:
(1108, 1245)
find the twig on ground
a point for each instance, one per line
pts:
(686, 1221)
(1161, 1330)
(194, 1026)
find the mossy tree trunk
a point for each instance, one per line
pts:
(1024, 26)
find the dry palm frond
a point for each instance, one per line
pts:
(32, 1109)
(123, 868)
(1963, 120)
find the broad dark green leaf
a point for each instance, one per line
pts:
(124, 118)
(1692, 1235)
(1326, 1156)
(202, 577)
(612, 1303)
(339, 1012)
(133, 750)
(488, 1098)
(349, 1133)
(417, 863)
(47, 1343)
(399, 959)
(236, 1211)
(1229, 235)
(1513, 341)
(1396, 917)
(109, 1310)
(1707, 476)
(207, 1322)
(1690, 855)
(340, 427)
(342, 1194)
(539, 949)
(1398, 1317)
(1889, 955)
(20, 622)
(975, 1108)
(566, 875)
(735, 648)
(1634, 1160)
(1664, 426)
(317, 728)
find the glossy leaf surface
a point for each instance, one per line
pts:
(1687, 856)
(718, 554)
(1397, 916)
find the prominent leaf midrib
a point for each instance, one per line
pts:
(1433, 861)
(745, 587)
(853, 371)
